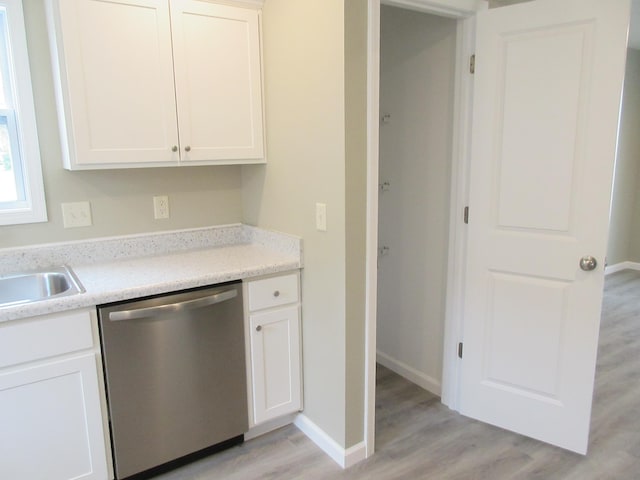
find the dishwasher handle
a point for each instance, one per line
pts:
(172, 307)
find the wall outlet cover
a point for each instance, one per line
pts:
(160, 207)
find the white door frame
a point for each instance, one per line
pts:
(463, 10)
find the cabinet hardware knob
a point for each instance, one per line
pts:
(276, 293)
(187, 148)
(174, 148)
(258, 328)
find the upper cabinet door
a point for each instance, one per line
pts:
(546, 101)
(116, 94)
(218, 81)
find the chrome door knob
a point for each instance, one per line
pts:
(588, 263)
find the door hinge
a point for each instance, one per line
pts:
(460, 350)
(472, 64)
(466, 215)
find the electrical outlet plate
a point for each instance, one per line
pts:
(76, 214)
(160, 207)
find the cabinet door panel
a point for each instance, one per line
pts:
(218, 81)
(51, 422)
(275, 360)
(120, 103)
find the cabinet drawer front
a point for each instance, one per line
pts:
(44, 337)
(272, 292)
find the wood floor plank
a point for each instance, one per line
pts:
(419, 438)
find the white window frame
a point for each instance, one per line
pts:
(33, 209)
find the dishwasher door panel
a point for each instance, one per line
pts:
(176, 381)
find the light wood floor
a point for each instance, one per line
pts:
(417, 437)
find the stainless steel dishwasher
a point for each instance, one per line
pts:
(175, 377)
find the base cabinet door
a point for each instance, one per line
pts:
(275, 362)
(50, 422)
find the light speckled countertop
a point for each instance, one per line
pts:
(133, 266)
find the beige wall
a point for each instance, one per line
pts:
(315, 90)
(305, 118)
(356, 212)
(305, 51)
(624, 230)
(417, 64)
(121, 200)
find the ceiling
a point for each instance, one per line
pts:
(634, 29)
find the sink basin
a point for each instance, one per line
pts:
(32, 287)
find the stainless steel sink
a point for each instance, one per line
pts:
(29, 287)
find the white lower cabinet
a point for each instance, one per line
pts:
(50, 408)
(274, 347)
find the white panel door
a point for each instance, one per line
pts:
(120, 102)
(51, 424)
(218, 81)
(547, 93)
(275, 362)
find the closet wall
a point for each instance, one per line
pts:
(624, 230)
(416, 105)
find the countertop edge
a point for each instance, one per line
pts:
(255, 253)
(90, 300)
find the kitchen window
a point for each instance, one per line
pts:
(21, 188)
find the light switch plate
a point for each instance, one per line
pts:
(321, 217)
(76, 214)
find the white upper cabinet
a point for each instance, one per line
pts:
(157, 82)
(216, 54)
(116, 97)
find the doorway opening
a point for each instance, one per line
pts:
(623, 250)
(439, 370)
(417, 91)
(387, 187)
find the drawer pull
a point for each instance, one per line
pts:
(258, 328)
(276, 293)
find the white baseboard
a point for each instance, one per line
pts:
(269, 426)
(609, 269)
(355, 454)
(343, 457)
(419, 378)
